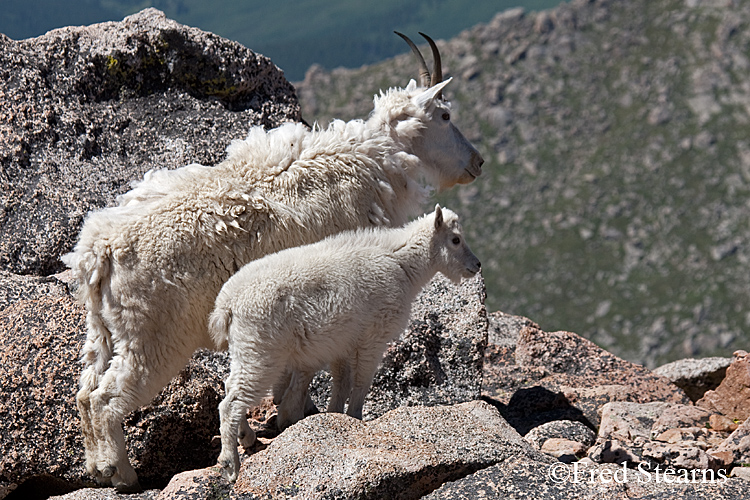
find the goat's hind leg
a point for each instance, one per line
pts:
(115, 396)
(246, 434)
(89, 381)
(244, 388)
(96, 355)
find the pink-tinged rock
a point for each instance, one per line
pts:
(43, 331)
(725, 457)
(677, 416)
(42, 334)
(738, 444)
(560, 375)
(201, 483)
(625, 421)
(675, 436)
(564, 450)
(722, 423)
(732, 397)
(684, 455)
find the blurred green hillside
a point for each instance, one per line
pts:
(294, 34)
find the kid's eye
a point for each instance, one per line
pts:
(456, 240)
(446, 116)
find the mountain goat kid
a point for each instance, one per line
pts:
(148, 270)
(338, 301)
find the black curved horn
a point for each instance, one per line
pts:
(437, 67)
(424, 73)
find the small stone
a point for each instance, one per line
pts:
(561, 429)
(674, 436)
(722, 424)
(563, 449)
(614, 452)
(742, 472)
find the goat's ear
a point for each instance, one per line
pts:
(438, 216)
(424, 99)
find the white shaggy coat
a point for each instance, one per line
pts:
(338, 301)
(148, 270)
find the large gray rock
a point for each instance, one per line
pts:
(43, 332)
(695, 376)
(86, 110)
(521, 479)
(404, 454)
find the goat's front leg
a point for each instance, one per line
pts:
(341, 374)
(293, 402)
(367, 361)
(282, 385)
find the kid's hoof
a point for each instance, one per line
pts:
(228, 471)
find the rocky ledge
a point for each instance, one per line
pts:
(465, 405)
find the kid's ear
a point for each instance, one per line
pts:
(424, 99)
(438, 216)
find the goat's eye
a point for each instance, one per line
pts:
(446, 116)
(456, 240)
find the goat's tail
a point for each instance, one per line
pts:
(218, 327)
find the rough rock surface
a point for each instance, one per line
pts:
(554, 376)
(406, 453)
(695, 376)
(625, 420)
(520, 480)
(666, 435)
(732, 397)
(680, 416)
(86, 110)
(737, 445)
(561, 429)
(43, 332)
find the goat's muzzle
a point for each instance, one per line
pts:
(474, 168)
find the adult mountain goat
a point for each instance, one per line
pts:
(149, 269)
(337, 301)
